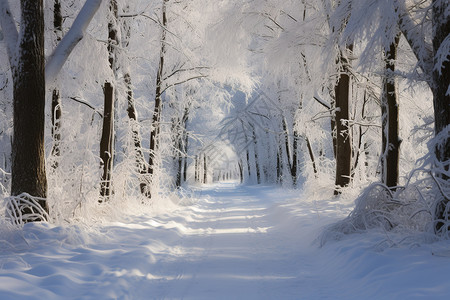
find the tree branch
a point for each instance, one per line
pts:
(184, 70)
(415, 38)
(181, 82)
(71, 39)
(87, 104)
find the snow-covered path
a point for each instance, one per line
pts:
(232, 251)
(235, 242)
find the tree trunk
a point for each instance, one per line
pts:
(185, 158)
(343, 136)
(441, 79)
(56, 99)
(311, 155)
(241, 171)
(258, 172)
(107, 139)
(28, 158)
(107, 142)
(441, 102)
(157, 111)
(286, 143)
(184, 142)
(205, 170)
(56, 124)
(178, 144)
(196, 176)
(132, 115)
(389, 109)
(294, 166)
(279, 164)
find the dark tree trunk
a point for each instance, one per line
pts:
(361, 134)
(185, 158)
(286, 143)
(441, 102)
(255, 144)
(178, 145)
(441, 79)
(389, 109)
(279, 164)
(107, 142)
(181, 139)
(241, 171)
(196, 176)
(157, 111)
(343, 136)
(294, 166)
(28, 158)
(205, 170)
(107, 138)
(247, 152)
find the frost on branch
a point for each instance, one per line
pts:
(25, 208)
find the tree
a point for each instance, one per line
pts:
(343, 137)
(433, 59)
(389, 109)
(157, 112)
(441, 100)
(28, 158)
(107, 139)
(29, 72)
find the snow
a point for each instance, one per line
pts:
(232, 242)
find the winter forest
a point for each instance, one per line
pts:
(252, 149)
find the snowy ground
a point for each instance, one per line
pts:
(235, 242)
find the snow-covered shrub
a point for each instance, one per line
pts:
(421, 206)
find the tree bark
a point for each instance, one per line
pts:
(343, 136)
(441, 101)
(28, 158)
(389, 109)
(107, 142)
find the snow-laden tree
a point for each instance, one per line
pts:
(27, 61)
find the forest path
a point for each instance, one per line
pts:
(236, 247)
(228, 242)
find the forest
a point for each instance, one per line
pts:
(112, 107)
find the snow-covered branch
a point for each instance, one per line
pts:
(71, 39)
(416, 38)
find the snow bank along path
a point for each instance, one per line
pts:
(233, 243)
